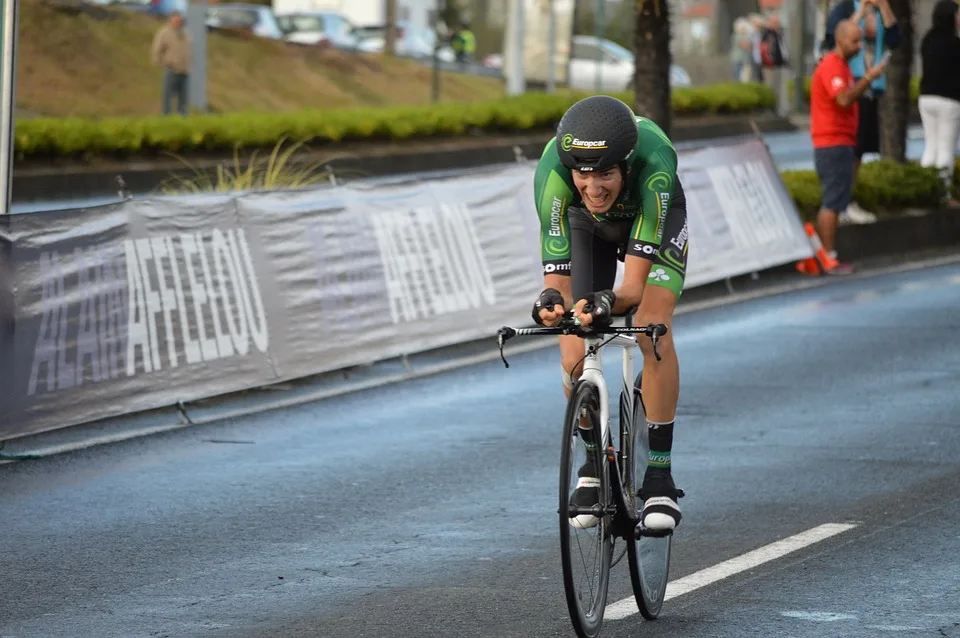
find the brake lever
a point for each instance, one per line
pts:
(655, 338)
(502, 335)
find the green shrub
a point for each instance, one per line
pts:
(956, 181)
(883, 187)
(120, 137)
(804, 188)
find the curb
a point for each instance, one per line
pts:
(917, 229)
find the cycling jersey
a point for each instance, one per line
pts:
(651, 187)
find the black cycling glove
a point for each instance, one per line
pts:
(546, 301)
(600, 305)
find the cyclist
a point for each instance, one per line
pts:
(606, 189)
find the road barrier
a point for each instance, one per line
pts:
(128, 307)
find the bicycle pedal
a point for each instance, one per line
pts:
(680, 493)
(642, 531)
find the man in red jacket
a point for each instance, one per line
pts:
(833, 127)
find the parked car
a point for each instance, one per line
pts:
(411, 41)
(258, 18)
(615, 64)
(324, 28)
(155, 7)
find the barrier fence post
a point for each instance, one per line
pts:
(8, 86)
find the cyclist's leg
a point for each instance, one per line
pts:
(593, 266)
(661, 379)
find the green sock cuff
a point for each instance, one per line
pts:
(658, 459)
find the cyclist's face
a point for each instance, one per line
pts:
(599, 190)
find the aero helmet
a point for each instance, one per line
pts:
(596, 133)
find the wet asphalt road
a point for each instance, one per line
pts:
(427, 508)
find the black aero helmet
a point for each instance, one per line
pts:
(596, 133)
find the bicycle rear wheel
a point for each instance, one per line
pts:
(649, 556)
(585, 550)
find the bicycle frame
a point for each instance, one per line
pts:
(593, 373)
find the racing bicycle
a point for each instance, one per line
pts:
(617, 515)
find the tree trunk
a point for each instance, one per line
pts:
(651, 78)
(895, 105)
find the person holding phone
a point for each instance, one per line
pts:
(834, 124)
(881, 35)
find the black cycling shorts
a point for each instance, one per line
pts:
(595, 248)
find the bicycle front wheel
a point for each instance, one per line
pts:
(649, 556)
(586, 544)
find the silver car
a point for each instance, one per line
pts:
(593, 59)
(258, 18)
(324, 28)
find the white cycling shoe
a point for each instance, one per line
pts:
(660, 513)
(586, 495)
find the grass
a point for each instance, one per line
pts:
(77, 65)
(276, 171)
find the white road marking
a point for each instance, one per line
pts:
(817, 616)
(628, 606)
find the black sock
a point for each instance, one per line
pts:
(661, 444)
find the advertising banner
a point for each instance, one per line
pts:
(138, 305)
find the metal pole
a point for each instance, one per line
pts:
(390, 40)
(799, 53)
(436, 51)
(516, 83)
(599, 26)
(8, 85)
(551, 47)
(196, 25)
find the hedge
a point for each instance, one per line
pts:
(120, 137)
(883, 187)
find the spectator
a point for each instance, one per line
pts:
(741, 51)
(940, 92)
(464, 43)
(834, 110)
(773, 48)
(758, 24)
(881, 33)
(173, 50)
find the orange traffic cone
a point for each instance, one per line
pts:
(822, 262)
(808, 266)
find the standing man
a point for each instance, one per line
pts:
(173, 50)
(834, 96)
(881, 33)
(464, 44)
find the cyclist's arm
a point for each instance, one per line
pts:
(656, 183)
(553, 191)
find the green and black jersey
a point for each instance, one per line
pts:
(646, 198)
